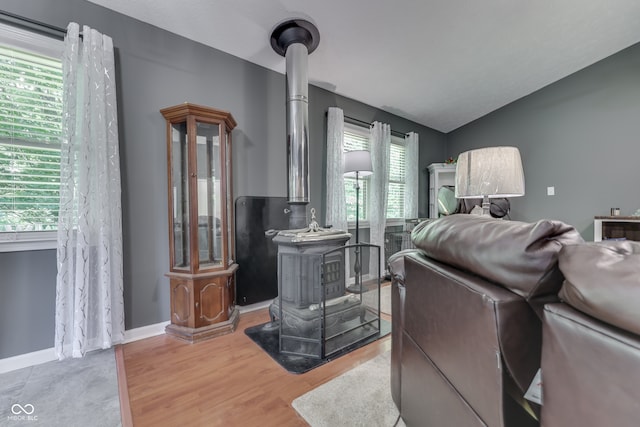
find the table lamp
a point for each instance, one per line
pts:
(491, 172)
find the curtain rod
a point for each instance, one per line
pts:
(359, 122)
(31, 24)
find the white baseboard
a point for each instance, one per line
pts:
(28, 359)
(254, 307)
(144, 332)
(49, 354)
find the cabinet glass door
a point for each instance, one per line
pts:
(180, 195)
(208, 174)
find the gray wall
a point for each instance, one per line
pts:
(158, 69)
(27, 301)
(580, 135)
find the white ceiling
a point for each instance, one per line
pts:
(441, 63)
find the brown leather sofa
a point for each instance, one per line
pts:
(467, 310)
(591, 341)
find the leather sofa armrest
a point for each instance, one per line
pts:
(590, 374)
(471, 328)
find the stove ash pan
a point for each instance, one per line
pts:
(299, 269)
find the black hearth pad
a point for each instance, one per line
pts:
(267, 339)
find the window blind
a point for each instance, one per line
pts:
(397, 176)
(30, 131)
(356, 141)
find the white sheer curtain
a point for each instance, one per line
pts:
(380, 141)
(411, 175)
(89, 288)
(336, 206)
(336, 203)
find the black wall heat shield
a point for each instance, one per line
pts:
(257, 255)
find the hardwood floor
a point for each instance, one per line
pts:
(225, 381)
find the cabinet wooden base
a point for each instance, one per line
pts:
(193, 335)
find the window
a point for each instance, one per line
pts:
(30, 131)
(357, 138)
(397, 173)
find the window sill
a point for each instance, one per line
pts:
(28, 241)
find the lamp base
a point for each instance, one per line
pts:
(486, 206)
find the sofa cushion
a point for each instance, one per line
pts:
(603, 281)
(519, 256)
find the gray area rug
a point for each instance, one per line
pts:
(73, 392)
(359, 397)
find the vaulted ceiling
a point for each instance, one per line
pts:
(441, 63)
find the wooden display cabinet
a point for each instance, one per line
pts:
(202, 266)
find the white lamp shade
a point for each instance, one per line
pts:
(357, 161)
(492, 172)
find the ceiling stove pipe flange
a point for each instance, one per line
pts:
(295, 39)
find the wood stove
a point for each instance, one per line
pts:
(314, 312)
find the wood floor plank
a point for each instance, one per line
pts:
(225, 381)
